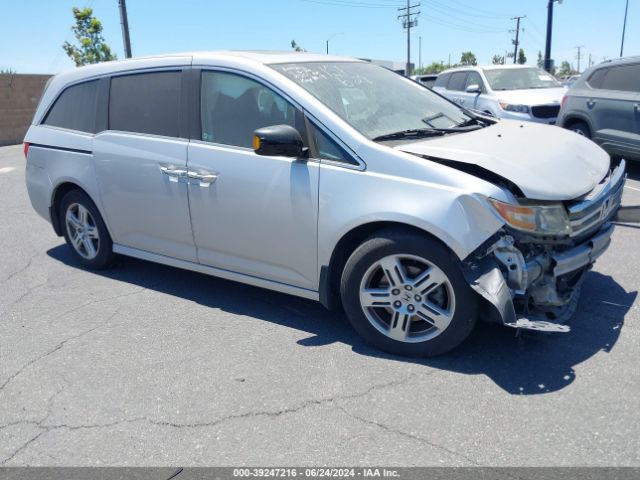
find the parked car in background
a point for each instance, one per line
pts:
(517, 92)
(426, 79)
(567, 82)
(604, 105)
(328, 178)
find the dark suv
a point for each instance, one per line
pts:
(604, 105)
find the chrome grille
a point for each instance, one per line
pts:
(599, 206)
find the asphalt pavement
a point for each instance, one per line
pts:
(150, 365)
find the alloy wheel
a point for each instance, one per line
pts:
(407, 298)
(82, 230)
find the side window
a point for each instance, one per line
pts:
(457, 81)
(327, 149)
(625, 78)
(146, 103)
(75, 108)
(233, 106)
(474, 78)
(595, 80)
(442, 80)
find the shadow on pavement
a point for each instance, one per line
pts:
(524, 364)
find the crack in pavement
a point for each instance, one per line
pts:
(409, 435)
(312, 402)
(25, 267)
(55, 349)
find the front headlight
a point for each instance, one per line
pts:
(540, 219)
(510, 107)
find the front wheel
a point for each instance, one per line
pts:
(405, 294)
(580, 128)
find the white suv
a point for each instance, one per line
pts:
(517, 92)
(328, 178)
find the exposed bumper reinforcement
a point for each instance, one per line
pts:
(583, 254)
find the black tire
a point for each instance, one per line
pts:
(395, 242)
(580, 128)
(104, 256)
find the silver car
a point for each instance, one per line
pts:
(327, 178)
(517, 92)
(604, 105)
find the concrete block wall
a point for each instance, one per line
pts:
(19, 95)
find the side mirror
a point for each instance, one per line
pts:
(278, 140)
(474, 88)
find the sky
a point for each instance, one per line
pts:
(33, 31)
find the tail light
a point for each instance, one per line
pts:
(25, 149)
(563, 101)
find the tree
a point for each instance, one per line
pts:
(565, 70)
(296, 47)
(540, 60)
(92, 47)
(522, 58)
(497, 60)
(468, 58)
(434, 67)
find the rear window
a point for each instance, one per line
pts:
(75, 108)
(442, 80)
(624, 78)
(595, 80)
(146, 103)
(457, 81)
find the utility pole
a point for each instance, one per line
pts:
(547, 50)
(409, 19)
(624, 28)
(579, 56)
(516, 42)
(125, 28)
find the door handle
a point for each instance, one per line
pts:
(205, 179)
(173, 172)
(636, 107)
(591, 103)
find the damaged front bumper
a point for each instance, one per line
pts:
(533, 283)
(534, 286)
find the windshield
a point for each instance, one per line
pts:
(519, 78)
(373, 100)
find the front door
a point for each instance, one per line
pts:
(251, 214)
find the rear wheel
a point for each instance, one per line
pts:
(85, 231)
(405, 294)
(580, 128)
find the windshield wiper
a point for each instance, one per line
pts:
(413, 133)
(426, 132)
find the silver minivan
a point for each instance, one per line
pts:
(328, 178)
(604, 105)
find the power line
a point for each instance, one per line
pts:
(409, 19)
(353, 3)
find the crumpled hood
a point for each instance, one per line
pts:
(545, 162)
(536, 96)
